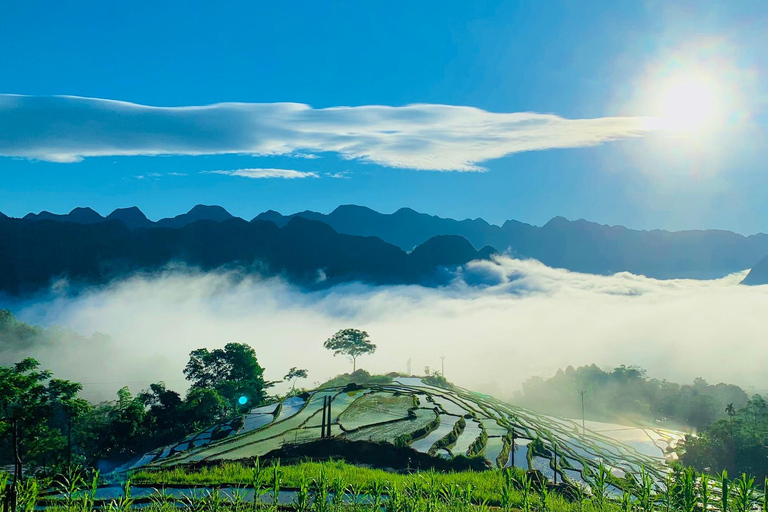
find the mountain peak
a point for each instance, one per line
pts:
(558, 221)
(211, 212)
(197, 213)
(132, 217)
(84, 215)
(347, 209)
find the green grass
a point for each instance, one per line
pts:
(486, 486)
(338, 487)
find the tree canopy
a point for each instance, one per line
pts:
(232, 371)
(352, 343)
(41, 407)
(295, 373)
(738, 444)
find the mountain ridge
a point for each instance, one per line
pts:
(577, 245)
(34, 254)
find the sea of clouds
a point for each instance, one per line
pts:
(497, 324)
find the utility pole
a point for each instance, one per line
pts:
(322, 427)
(17, 476)
(583, 427)
(69, 439)
(329, 418)
(555, 463)
(512, 449)
(442, 366)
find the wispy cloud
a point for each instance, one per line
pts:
(157, 175)
(421, 136)
(342, 175)
(287, 174)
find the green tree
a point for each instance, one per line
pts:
(204, 407)
(233, 371)
(295, 373)
(34, 403)
(352, 343)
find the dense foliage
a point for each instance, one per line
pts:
(738, 444)
(55, 427)
(627, 394)
(233, 372)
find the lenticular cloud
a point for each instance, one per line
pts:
(423, 136)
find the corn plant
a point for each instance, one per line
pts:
(125, 501)
(765, 495)
(238, 497)
(580, 497)
(544, 498)
(276, 477)
(158, 499)
(667, 495)
(320, 499)
(744, 493)
(376, 490)
(599, 486)
(27, 495)
(258, 483)
(213, 500)
(725, 491)
(396, 501)
(705, 492)
(525, 486)
(506, 491)
(357, 498)
(645, 495)
(685, 490)
(302, 501)
(194, 502)
(467, 496)
(70, 485)
(339, 490)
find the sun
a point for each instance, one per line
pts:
(690, 103)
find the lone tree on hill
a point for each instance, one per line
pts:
(293, 374)
(352, 343)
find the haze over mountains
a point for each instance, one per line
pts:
(351, 243)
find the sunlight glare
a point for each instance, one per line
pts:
(690, 104)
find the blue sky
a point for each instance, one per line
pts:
(592, 73)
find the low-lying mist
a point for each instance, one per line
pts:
(497, 324)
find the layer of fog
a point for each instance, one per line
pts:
(497, 324)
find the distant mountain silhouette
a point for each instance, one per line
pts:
(78, 215)
(574, 245)
(758, 274)
(132, 217)
(199, 212)
(447, 251)
(33, 254)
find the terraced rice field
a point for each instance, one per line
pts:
(408, 409)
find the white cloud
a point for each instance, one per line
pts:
(518, 319)
(342, 175)
(421, 136)
(266, 173)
